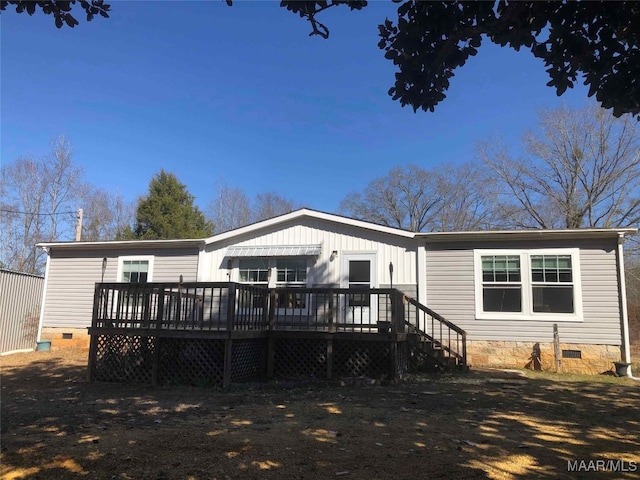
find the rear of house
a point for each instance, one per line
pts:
(507, 290)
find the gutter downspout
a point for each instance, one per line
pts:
(44, 293)
(626, 346)
(421, 273)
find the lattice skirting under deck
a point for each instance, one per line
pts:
(123, 358)
(201, 362)
(300, 358)
(187, 361)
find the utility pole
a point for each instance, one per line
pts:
(79, 225)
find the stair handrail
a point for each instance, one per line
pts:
(462, 356)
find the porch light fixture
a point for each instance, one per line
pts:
(334, 254)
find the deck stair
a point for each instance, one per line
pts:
(444, 348)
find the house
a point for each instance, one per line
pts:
(532, 297)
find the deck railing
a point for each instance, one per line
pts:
(443, 334)
(180, 306)
(229, 306)
(233, 307)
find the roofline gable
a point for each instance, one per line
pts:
(307, 213)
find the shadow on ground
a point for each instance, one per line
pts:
(483, 424)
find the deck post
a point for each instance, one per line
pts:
(271, 342)
(331, 326)
(329, 359)
(271, 355)
(393, 359)
(231, 306)
(93, 349)
(272, 309)
(155, 366)
(93, 344)
(464, 349)
(228, 359)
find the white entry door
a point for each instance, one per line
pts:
(359, 273)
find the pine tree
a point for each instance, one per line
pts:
(168, 212)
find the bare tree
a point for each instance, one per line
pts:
(105, 215)
(271, 204)
(232, 208)
(408, 198)
(229, 209)
(582, 168)
(64, 185)
(38, 203)
(468, 201)
(22, 211)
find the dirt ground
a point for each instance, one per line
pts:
(482, 424)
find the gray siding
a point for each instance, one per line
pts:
(451, 292)
(72, 277)
(20, 297)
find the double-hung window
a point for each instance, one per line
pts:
(291, 273)
(135, 270)
(253, 271)
(552, 283)
(501, 283)
(532, 284)
(277, 272)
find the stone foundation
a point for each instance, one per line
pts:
(79, 338)
(594, 359)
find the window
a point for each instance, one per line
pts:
(291, 272)
(528, 284)
(135, 271)
(552, 283)
(275, 272)
(502, 284)
(254, 271)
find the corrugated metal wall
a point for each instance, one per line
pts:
(20, 298)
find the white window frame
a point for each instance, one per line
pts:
(129, 258)
(276, 284)
(273, 278)
(526, 282)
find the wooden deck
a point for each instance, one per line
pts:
(220, 333)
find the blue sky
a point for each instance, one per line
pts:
(244, 95)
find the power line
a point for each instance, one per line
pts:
(37, 214)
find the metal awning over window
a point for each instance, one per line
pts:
(274, 251)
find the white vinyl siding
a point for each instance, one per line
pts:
(324, 269)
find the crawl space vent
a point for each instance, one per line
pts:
(571, 353)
